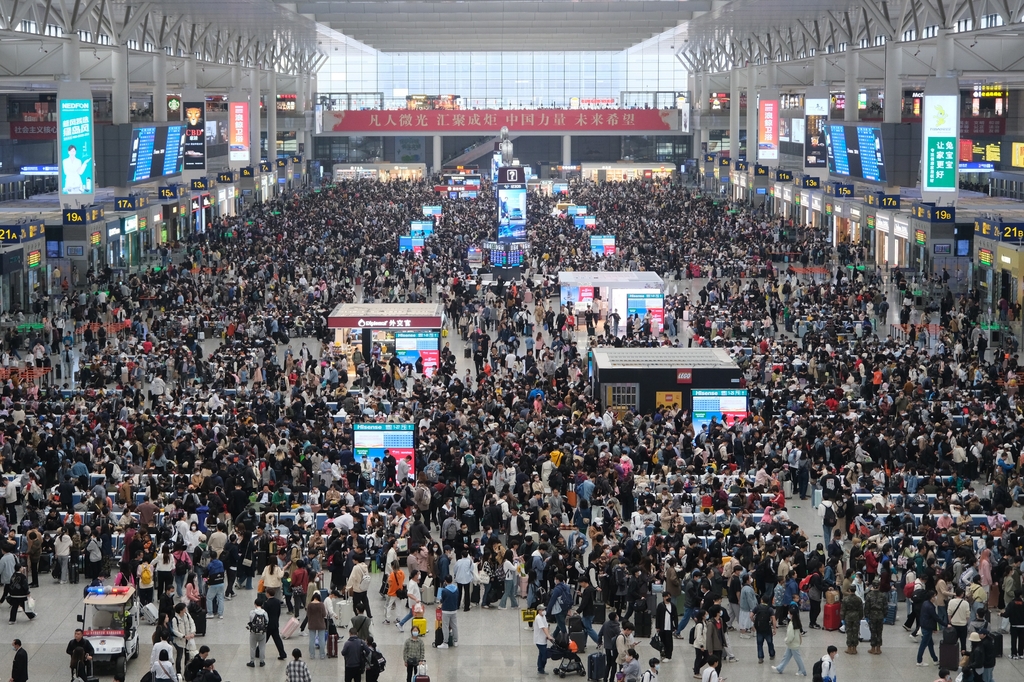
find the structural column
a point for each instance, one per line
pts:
(190, 73)
(893, 109)
(160, 85)
(119, 98)
(850, 113)
(566, 150)
(254, 115)
(436, 157)
(272, 116)
(734, 113)
(72, 53)
(820, 69)
(751, 115)
(944, 49)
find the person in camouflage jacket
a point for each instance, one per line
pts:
(852, 612)
(876, 603)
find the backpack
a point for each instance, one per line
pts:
(258, 624)
(376, 662)
(830, 519)
(693, 633)
(621, 577)
(805, 583)
(816, 672)
(762, 618)
(908, 590)
(180, 566)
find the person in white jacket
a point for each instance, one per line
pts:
(826, 530)
(828, 665)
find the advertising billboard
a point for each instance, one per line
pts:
(602, 245)
(398, 440)
(156, 152)
(941, 127)
(195, 135)
(238, 132)
(410, 346)
(724, 405)
(768, 130)
(77, 167)
(511, 204)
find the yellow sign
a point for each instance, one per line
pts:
(1018, 155)
(673, 399)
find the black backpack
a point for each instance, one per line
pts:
(762, 617)
(816, 672)
(830, 517)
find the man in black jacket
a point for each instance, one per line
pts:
(273, 608)
(587, 608)
(19, 668)
(665, 620)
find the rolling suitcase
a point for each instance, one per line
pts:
(420, 624)
(290, 628)
(599, 611)
(831, 619)
(199, 617)
(595, 666)
(332, 646)
(890, 614)
(581, 641)
(471, 521)
(524, 586)
(574, 624)
(150, 613)
(865, 630)
(467, 353)
(949, 655)
(997, 642)
(643, 623)
(73, 572)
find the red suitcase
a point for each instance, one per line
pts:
(421, 678)
(832, 619)
(332, 646)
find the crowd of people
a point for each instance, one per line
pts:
(175, 443)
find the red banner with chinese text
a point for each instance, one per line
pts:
(491, 121)
(33, 130)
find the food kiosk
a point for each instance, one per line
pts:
(410, 331)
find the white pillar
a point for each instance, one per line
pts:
(820, 69)
(566, 150)
(236, 77)
(944, 49)
(772, 75)
(734, 114)
(751, 114)
(119, 99)
(160, 86)
(436, 157)
(705, 91)
(850, 113)
(72, 53)
(254, 115)
(272, 116)
(893, 109)
(190, 71)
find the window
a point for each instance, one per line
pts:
(930, 31)
(54, 30)
(991, 20)
(623, 395)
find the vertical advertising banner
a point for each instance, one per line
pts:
(511, 204)
(74, 137)
(768, 130)
(195, 135)
(816, 120)
(941, 126)
(238, 131)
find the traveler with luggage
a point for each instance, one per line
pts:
(413, 653)
(316, 616)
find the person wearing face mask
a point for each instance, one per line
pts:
(413, 653)
(651, 674)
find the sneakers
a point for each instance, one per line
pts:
(776, 670)
(443, 646)
(922, 665)
(399, 626)
(799, 674)
(251, 664)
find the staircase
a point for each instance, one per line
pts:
(484, 147)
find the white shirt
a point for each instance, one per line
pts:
(540, 624)
(709, 675)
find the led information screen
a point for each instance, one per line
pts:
(76, 157)
(398, 439)
(768, 130)
(856, 152)
(511, 204)
(941, 126)
(431, 211)
(410, 243)
(727, 405)
(572, 294)
(584, 221)
(421, 228)
(238, 132)
(602, 245)
(195, 135)
(156, 152)
(410, 346)
(985, 257)
(511, 256)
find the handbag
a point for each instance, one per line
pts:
(402, 545)
(30, 605)
(421, 669)
(656, 643)
(261, 587)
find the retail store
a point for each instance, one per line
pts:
(409, 331)
(384, 172)
(933, 246)
(624, 172)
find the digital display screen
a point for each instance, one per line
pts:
(728, 405)
(571, 294)
(560, 188)
(399, 440)
(985, 257)
(602, 245)
(410, 243)
(584, 221)
(576, 210)
(512, 257)
(157, 152)
(421, 228)
(429, 211)
(815, 153)
(410, 346)
(856, 152)
(511, 212)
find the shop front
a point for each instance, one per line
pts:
(817, 211)
(1008, 278)
(115, 250)
(624, 172)
(12, 290)
(627, 293)
(883, 237)
(226, 192)
(383, 172)
(984, 266)
(786, 210)
(901, 240)
(409, 331)
(131, 241)
(933, 247)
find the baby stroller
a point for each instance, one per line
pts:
(565, 649)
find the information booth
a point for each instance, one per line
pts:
(410, 331)
(704, 381)
(627, 293)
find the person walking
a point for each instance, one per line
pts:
(588, 607)
(449, 598)
(828, 664)
(358, 584)
(273, 608)
(698, 635)
(606, 639)
(666, 618)
(765, 627)
(413, 653)
(541, 637)
(297, 670)
(19, 666)
(876, 603)
(958, 614)
(1014, 612)
(794, 638)
(257, 626)
(354, 653)
(396, 592)
(316, 621)
(927, 621)
(215, 576)
(852, 610)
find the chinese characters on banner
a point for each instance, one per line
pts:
(940, 124)
(536, 120)
(768, 130)
(238, 135)
(33, 130)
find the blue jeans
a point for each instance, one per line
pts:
(179, 585)
(588, 627)
(560, 624)
(687, 614)
(317, 637)
(509, 595)
(794, 654)
(926, 641)
(542, 657)
(761, 639)
(215, 599)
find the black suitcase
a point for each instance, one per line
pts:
(595, 667)
(949, 655)
(438, 636)
(73, 572)
(469, 516)
(642, 620)
(581, 641)
(574, 624)
(599, 611)
(467, 353)
(997, 642)
(199, 616)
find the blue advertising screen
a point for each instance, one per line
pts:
(576, 210)
(75, 146)
(157, 151)
(422, 228)
(727, 405)
(429, 211)
(511, 212)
